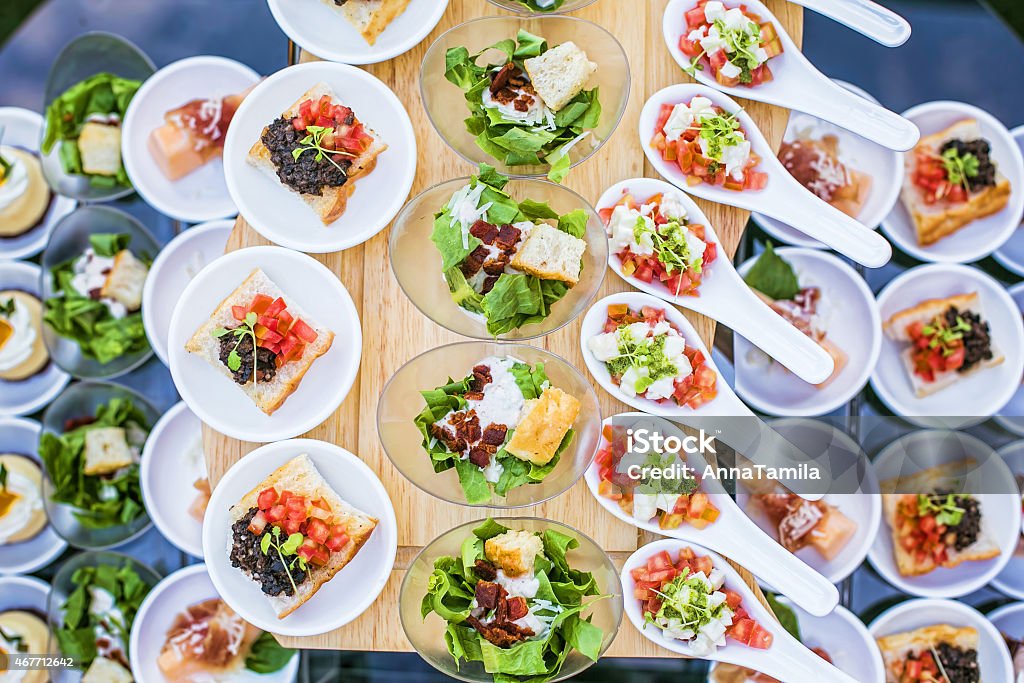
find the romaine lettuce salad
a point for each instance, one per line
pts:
(513, 603)
(488, 262)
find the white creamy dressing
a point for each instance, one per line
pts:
(29, 503)
(103, 605)
(525, 586)
(605, 347)
(18, 347)
(537, 115)
(16, 182)
(111, 119)
(91, 273)
(684, 116)
(466, 210)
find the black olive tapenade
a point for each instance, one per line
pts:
(980, 149)
(961, 666)
(267, 569)
(977, 342)
(305, 174)
(266, 367)
(964, 534)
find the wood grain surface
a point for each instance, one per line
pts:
(394, 331)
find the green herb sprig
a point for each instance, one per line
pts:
(960, 168)
(313, 142)
(7, 308)
(17, 641)
(720, 131)
(246, 329)
(946, 512)
(285, 549)
(743, 42)
(943, 336)
(3, 477)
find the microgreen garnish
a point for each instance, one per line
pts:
(960, 168)
(946, 510)
(17, 641)
(5, 165)
(720, 130)
(246, 329)
(314, 142)
(669, 241)
(7, 308)
(3, 477)
(285, 549)
(943, 336)
(742, 41)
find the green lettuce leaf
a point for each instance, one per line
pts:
(773, 276)
(267, 655)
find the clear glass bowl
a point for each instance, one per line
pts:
(446, 103)
(61, 587)
(81, 400)
(87, 55)
(427, 635)
(401, 402)
(417, 262)
(520, 8)
(69, 240)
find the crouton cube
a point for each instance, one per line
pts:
(550, 254)
(514, 551)
(560, 74)
(125, 281)
(106, 451)
(539, 434)
(100, 148)
(105, 670)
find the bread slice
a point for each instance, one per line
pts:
(126, 280)
(560, 74)
(550, 254)
(370, 17)
(99, 145)
(537, 437)
(896, 329)
(331, 203)
(897, 648)
(106, 451)
(268, 396)
(925, 481)
(301, 477)
(103, 670)
(514, 551)
(941, 219)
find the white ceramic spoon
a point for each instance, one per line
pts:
(787, 659)
(798, 85)
(783, 198)
(878, 23)
(723, 295)
(749, 436)
(733, 533)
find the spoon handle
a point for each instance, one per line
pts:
(826, 100)
(790, 661)
(868, 18)
(788, 201)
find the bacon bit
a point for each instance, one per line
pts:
(489, 284)
(480, 456)
(481, 378)
(494, 435)
(475, 261)
(501, 78)
(484, 231)
(508, 237)
(488, 594)
(517, 608)
(486, 571)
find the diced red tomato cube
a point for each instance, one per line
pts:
(277, 513)
(760, 638)
(291, 526)
(275, 308)
(318, 530)
(258, 523)
(267, 498)
(239, 312)
(303, 331)
(338, 539)
(658, 561)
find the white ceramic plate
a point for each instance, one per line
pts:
(174, 267)
(23, 593)
(280, 214)
(24, 129)
(340, 600)
(1011, 416)
(993, 657)
(975, 397)
(1011, 580)
(859, 500)
(1001, 514)
(1009, 619)
(323, 31)
(20, 436)
(157, 613)
(201, 195)
(979, 238)
(1011, 254)
(24, 397)
(885, 167)
(853, 323)
(172, 461)
(846, 640)
(214, 398)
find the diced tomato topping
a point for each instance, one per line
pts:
(318, 530)
(659, 561)
(291, 526)
(258, 523)
(276, 307)
(239, 312)
(267, 498)
(303, 331)
(277, 514)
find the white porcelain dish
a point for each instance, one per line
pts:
(23, 593)
(993, 657)
(156, 615)
(172, 461)
(1010, 581)
(854, 325)
(976, 396)
(175, 266)
(884, 166)
(340, 600)
(214, 398)
(20, 436)
(844, 637)
(29, 395)
(278, 213)
(1011, 416)
(1001, 513)
(323, 31)
(797, 84)
(23, 128)
(722, 294)
(981, 237)
(1011, 254)
(783, 197)
(1009, 619)
(868, 18)
(787, 659)
(733, 533)
(203, 194)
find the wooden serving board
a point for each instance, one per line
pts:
(394, 331)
